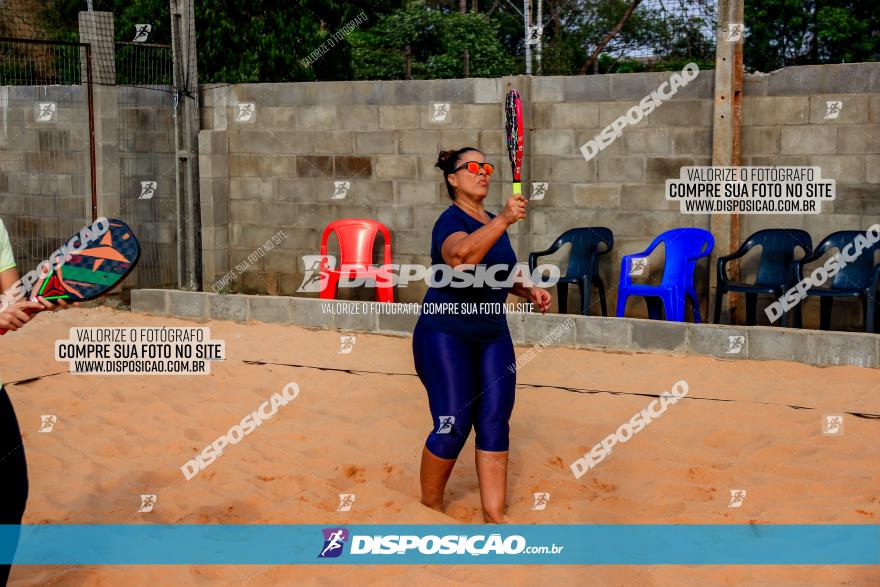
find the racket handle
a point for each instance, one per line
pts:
(517, 191)
(2, 332)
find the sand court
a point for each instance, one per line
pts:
(358, 425)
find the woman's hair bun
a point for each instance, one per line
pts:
(443, 159)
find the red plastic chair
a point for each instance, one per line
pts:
(356, 239)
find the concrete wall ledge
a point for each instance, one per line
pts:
(812, 347)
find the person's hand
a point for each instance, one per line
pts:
(46, 305)
(514, 209)
(541, 298)
(18, 314)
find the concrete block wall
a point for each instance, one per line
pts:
(785, 123)
(282, 164)
(144, 150)
(590, 332)
(45, 193)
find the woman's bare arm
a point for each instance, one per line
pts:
(8, 278)
(461, 248)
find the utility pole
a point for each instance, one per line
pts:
(527, 22)
(540, 25)
(186, 132)
(727, 133)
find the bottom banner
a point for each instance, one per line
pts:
(636, 544)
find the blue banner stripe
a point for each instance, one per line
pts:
(636, 544)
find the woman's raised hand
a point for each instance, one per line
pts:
(514, 209)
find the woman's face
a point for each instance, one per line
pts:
(476, 186)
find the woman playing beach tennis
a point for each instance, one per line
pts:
(13, 467)
(463, 358)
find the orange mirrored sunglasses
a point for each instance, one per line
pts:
(474, 167)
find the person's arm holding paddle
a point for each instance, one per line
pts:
(462, 248)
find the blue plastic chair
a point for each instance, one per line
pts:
(583, 264)
(684, 247)
(778, 246)
(859, 279)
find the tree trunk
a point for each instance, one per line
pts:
(614, 32)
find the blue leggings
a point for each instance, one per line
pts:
(469, 383)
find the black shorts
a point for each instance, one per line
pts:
(13, 471)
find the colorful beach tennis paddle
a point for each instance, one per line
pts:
(93, 271)
(514, 127)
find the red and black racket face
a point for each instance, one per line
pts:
(514, 127)
(102, 264)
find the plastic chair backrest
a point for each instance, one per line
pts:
(858, 272)
(584, 248)
(778, 246)
(683, 247)
(357, 236)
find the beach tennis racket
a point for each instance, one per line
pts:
(93, 271)
(513, 122)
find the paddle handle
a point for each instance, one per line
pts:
(2, 331)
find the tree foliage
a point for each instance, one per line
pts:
(800, 32)
(265, 40)
(436, 40)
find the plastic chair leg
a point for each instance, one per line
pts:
(796, 317)
(870, 307)
(562, 290)
(601, 287)
(751, 309)
(719, 296)
(673, 306)
(384, 293)
(329, 290)
(825, 312)
(695, 303)
(621, 304)
(585, 289)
